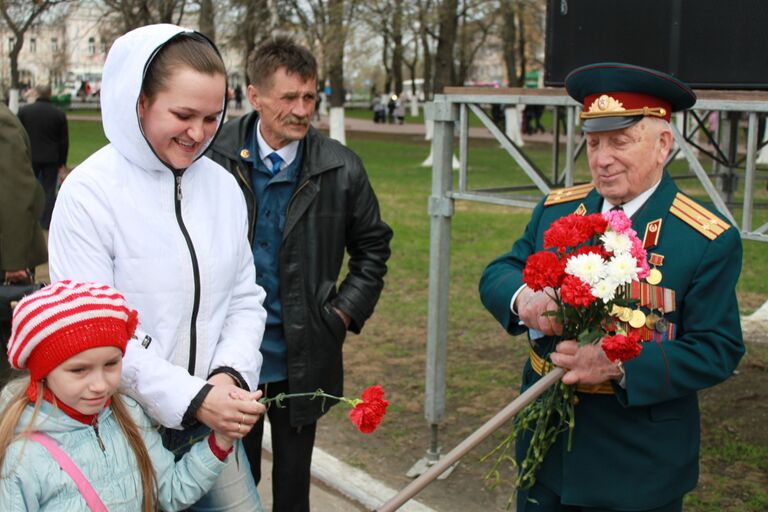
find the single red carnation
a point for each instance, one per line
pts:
(370, 411)
(599, 223)
(620, 347)
(543, 269)
(575, 292)
(569, 231)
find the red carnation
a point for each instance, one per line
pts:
(599, 223)
(576, 292)
(569, 231)
(620, 347)
(543, 269)
(370, 410)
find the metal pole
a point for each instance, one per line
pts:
(749, 178)
(473, 440)
(441, 210)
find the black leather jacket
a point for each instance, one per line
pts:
(332, 210)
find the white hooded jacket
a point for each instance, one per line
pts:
(177, 248)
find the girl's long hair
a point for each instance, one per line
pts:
(10, 416)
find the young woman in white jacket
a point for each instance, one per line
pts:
(151, 216)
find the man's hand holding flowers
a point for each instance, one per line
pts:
(531, 306)
(587, 364)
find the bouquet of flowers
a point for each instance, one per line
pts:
(587, 265)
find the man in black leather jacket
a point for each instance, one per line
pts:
(309, 201)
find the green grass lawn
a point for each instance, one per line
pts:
(483, 362)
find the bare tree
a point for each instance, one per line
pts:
(477, 20)
(325, 24)
(19, 16)
(251, 26)
(137, 13)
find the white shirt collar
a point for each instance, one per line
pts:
(631, 207)
(287, 153)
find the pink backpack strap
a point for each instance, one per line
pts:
(83, 485)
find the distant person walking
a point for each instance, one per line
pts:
(49, 136)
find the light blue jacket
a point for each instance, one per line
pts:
(32, 481)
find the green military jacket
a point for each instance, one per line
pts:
(22, 244)
(638, 448)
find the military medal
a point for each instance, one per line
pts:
(655, 276)
(638, 319)
(625, 315)
(650, 320)
(661, 325)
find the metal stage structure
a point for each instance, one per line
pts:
(450, 114)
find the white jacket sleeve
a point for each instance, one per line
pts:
(243, 329)
(81, 247)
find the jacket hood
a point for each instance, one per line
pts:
(123, 75)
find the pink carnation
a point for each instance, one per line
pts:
(618, 221)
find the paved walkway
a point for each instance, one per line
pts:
(336, 486)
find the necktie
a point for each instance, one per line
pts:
(617, 208)
(276, 161)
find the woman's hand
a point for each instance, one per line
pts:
(229, 410)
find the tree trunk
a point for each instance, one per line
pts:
(446, 41)
(397, 53)
(13, 55)
(207, 19)
(509, 34)
(522, 45)
(336, 51)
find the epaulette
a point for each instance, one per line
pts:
(564, 195)
(698, 217)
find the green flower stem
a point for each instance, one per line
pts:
(278, 399)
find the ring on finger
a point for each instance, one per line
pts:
(242, 420)
(239, 427)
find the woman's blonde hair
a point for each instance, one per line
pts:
(10, 416)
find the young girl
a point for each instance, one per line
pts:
(71, 338)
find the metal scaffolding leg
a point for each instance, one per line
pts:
(441, 210)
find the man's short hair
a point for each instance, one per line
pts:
(280, 52)
(43, 91)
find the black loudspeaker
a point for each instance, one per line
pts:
(709, 44)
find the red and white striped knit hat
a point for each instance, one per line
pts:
(64, 319)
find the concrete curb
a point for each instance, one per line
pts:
(350, 482)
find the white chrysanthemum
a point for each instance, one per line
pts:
(590, 267)
(622, 268)
(605, 289)
(617, 243)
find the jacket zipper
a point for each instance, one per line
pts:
(196, 276)
(95, 426)
(252, 223)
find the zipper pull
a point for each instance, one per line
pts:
(178, 187)
(95, 426)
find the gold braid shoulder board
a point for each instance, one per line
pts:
(564, 195)
(698, 217)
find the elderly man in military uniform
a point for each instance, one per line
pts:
(636, 441)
